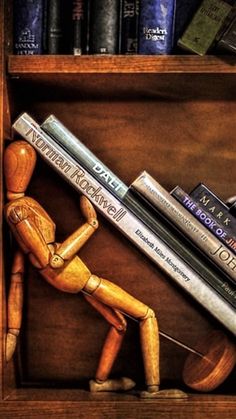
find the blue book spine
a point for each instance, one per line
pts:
(156, 26)
(28, 27)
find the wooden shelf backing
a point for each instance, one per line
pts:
(57, 64)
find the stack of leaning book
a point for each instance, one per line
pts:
(194, 247)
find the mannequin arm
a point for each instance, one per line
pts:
(15, 304)
(29, 234)
(76, 240)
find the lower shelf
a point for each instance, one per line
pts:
(34, 403)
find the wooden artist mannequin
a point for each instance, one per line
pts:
(59, 264)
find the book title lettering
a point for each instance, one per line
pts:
(77, 175)
(154, 34)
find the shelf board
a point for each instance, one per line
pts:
(69, 64)
(119, 406)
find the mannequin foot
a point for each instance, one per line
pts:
(120, 384)
(153, 392)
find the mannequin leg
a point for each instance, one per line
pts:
(110, 350)
(113, 296)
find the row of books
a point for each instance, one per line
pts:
(123, 26)
(189, 237)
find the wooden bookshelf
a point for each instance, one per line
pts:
(121, 64)
(173, 116)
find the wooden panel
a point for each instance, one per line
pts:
(120, 64)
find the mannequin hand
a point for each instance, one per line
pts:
(88, 212)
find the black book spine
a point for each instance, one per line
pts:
(78, 26)
(54, 27)
(104, 26)
(129, 26)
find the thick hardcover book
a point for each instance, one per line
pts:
(125, 221)
(156, 24)
(219, 210)
(104, 26)
(110, 181)
(205, 218)
(54, 26)
(59, 26)
(129, 26)
(28, 27)
(201, 32)
(186, 222)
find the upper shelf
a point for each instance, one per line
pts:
(69, 64)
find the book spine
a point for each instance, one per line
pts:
(110, 181)
(187, 223)
(201, 32)
(228, 39)
(86, 158)
(104, 27)
(184, 11)
(156, 24)
(77, 19)
(54, 22)
(125, 221)
(163, 228)
(206, 219)
(28, 27)
(129, 26)
(212, 204)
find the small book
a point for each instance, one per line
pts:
(202, 30)
(156, 24)
(28, 27)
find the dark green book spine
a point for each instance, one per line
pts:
(203, 28)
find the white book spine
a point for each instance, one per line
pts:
(149, 188)
(126, 222)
